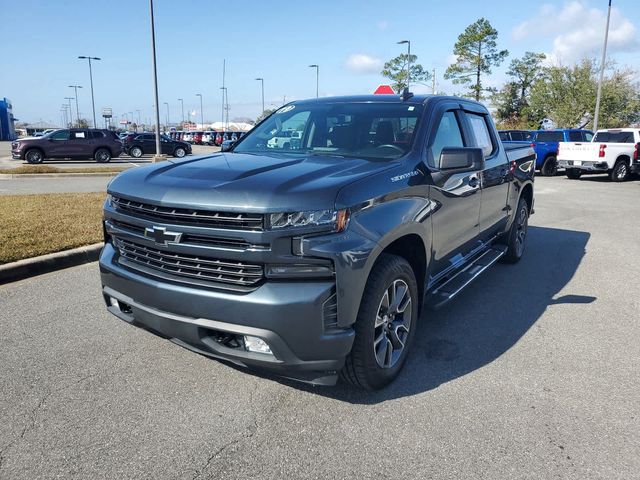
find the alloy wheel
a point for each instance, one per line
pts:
(521, 230)
(393, 321)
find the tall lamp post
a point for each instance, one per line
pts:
(156, 105)
(201, 112)
(261, 80)
(93, 103)
(182, 109)
(68, 99)
(317, 67)
(604, 59)
(75, 88)
(408, 42)
(138, 124)
(225, 109)
(167, 104)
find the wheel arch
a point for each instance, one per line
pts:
(624, 158)
(527, 195)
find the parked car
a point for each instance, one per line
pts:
(219, 139)
(197, 138)
(545, 144)
(281, 141)
(613, 151)
(314, 263)
(76, 143)
(188, 137)
(145, 143)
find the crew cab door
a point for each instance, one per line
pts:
(495, 177)
(457, 195)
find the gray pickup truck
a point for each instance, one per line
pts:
(314, 260)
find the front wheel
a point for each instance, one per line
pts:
(179, 152)
(573, 173)
(135, 152)
(549, 167)
(34, 156)
(385, 325)
(620, 171)
(102, 155)
(516, 239)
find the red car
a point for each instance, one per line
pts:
(197, 138)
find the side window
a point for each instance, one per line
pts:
(447, 135)
(587, 136)
(481, 133)
(504, 136)
(96, 134)
(575, 136)
(78, 135)
(60, 135)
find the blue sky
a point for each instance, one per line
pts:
(349, 39)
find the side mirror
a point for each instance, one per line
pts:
(227, 145)
(461, 159)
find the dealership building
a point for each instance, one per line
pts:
(7, 127)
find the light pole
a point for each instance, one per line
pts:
(224, 106)
(408, 42)
(604, 59)
(70, 110)
(317, 67)
(167, 104)
(155, 81)
(93, 103)
(76, 87)
(138, 124)
(182, 109)
(201, 112)
(261, 80)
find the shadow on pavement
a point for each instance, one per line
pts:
(484, 321)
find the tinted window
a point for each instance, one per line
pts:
(504, 136)
(96, 134)
(447, 135)
(614, 137)
(60, 135)
(575, 137)
(550, 137)
(480, 133)
(588, 136)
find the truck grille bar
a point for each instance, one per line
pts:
(195, 267)
(188, 216)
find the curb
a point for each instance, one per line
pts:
(30, 267)
(57, 175)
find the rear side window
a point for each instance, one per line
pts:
(447, 135)
(614, 137)
(588, 136)
(78, 135)
(96, 134)
(481, 133)
(575, 137)
(550, 137)
(504, 136)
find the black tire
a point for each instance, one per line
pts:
(517, 236)
(619, 172)
(549, 167)
(179, 152)
(368, 366)
(102, 155)
(286, 146)
(34, 156)
(136, 152)
(573, 173)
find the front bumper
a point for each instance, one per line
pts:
(587, 166)
(17, 154)
(288, 315)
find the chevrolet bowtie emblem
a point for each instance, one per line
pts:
(161, 236)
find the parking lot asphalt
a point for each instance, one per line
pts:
(532, 372)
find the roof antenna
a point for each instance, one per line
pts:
(406, 94)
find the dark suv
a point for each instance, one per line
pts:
(101, 145)
(138, 145)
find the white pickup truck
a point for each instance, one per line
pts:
(613, 151)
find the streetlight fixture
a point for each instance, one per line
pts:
(201, 112)
(70, 110)
(76, 87)
(93, 103)
(408, 42)
(601, 77)
(167, 104)
(155, 82)
(261, 80)
(182, 108)
(317, 67)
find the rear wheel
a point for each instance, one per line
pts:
(385, 325)
(516, 240)
(34, 156)
(573, 173)
(102, 155)
(135, 152)
(620, 171)
(549, 167)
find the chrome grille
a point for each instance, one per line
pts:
(227, 272)
(188, 216)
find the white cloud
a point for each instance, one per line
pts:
(383, 25)
(578, 31)
(363, 63)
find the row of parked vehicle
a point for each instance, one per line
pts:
(204, 137)
(612, 151)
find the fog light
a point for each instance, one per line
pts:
(255, 344)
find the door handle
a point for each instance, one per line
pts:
(473, 182)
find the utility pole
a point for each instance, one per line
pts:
(408, 42)
(76, 87)
(158, 155)
(224, 89)
(317, 67)
(201, 112)
(167, 104)
(70, 109)
(182, 109)
(602, 65)
(261, 80)
(93, 103)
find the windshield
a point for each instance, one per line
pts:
(369, 130)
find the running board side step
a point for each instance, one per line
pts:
(454, 285)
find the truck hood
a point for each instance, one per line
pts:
(252, 183)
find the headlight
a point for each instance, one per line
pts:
(336, 218)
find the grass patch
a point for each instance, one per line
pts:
(48, 169)
(32, 225)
